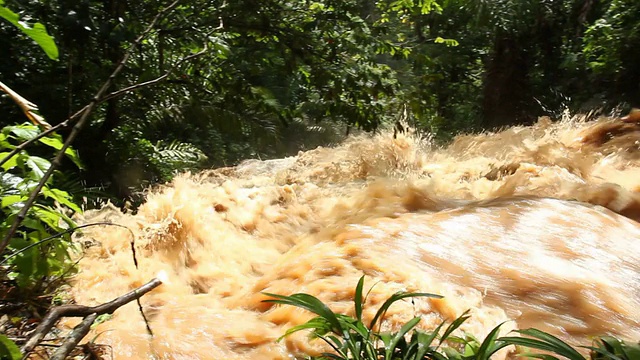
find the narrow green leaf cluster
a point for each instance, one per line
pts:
(352, 340)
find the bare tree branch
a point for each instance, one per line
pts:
(74, 338)
(79, 310)
(26, 106)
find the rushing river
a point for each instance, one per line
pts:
(537, 225)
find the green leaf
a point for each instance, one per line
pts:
(22, 132)
(425, 340)
(62, 197)
(319, 324)
(452, 353)
(26, 266)
(543, 341)
(9, 200)
(390, 347)
(56, 143)
(490, 345)
(8, 349)
(539, 356)
(447, 42)
(48, 216)
(357, 300)
(397, 297)
(454, 325)
(38, 166)
(37, 33)
(11, 163)
(310, 303)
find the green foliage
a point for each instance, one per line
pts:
(610, 50)
(273, 71)
(34, 254)
(8, 349)
(37, 33)
(351, 339)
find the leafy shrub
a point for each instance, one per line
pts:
(351, 339)
(35, 253)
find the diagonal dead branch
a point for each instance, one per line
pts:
(78, 127)
(79, 310)
(26, 106)
(74, 338)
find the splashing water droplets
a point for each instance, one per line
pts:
(534, 224)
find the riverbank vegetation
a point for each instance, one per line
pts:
(354, 339)
(119, 95)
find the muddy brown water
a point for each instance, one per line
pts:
(535, 225)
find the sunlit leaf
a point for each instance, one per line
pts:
(10, 163)
(56, 143)
(8, 349)
(62, 197)
(9, 200)
(37, 33)
(22, 132)
(38, 166)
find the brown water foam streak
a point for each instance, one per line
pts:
(488, 222)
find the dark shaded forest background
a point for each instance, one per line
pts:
(279, 76)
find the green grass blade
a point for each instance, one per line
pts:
(357, 300)
(542, 345)
(436, 356)
(453, 326)
(319, 324)
(336, 344)
(490, 345)
(425, 340)
(451, 353)
(558, 346)
(358, 328)
(397, 297)
(631, 351)
(538, 356)
(615, 348)
(8, 349)
(334, 356)
(606, 353)
(428, 338)
(310, 303)
(391, 346)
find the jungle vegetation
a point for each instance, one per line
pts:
(210, 83)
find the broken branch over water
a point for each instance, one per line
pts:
(88, 312)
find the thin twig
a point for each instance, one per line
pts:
(144, 317)
(121, 92)
(18, 252)
(78, 333)
(79, 310)
(77, 128)
(50, 130)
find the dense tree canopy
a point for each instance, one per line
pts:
(236, 79)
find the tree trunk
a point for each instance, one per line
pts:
(506, 84)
